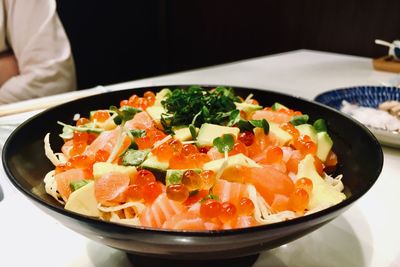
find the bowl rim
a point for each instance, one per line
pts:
(210, 233)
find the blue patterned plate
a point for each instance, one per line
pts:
(367, 96)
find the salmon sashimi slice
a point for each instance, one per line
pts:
(141, 121)
(64, 180)
(271, 116)
(110, 188)
(185, 221)
(191, 220)
(214, 154)
(106, 141)
(269, 181)
(162, 209)
(230, 191)
(66, 148)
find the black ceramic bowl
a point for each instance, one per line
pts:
(360, 161)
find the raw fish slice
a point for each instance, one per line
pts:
(230, 191)
(64, 180)
(140, 121)
(162, 208)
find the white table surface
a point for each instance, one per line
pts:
(366, 235)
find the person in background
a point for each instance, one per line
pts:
(35, 54)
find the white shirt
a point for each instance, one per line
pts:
(33, 31)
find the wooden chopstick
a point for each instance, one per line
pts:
(47, 104)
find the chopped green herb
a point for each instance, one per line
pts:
(300, 119)
(125, 113)
(224, 143)
(138, 133)
(67, 133)
(174, 178)
(320, 125)
(209, 196)
(196, 105)
(134, 157)
(68, 130)
(245, 126)
(193, 132)
(278, 106)
(261, 124)
(234, 117)
(75, 185)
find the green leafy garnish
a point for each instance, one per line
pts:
(209, 196)
(137, 133)
(67, 133)
(299, 119)
(320, 125)
(193, 132)
(175, 177)
(224, 143)
(134, 157)
(278, 106)
(234, 117)
(196, 106)
(68, 130)
(245, 126)
(124, 114)
(75, 185)
(261, 124)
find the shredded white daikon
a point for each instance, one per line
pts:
(133, 221)
(262, 211)
(49, 152)
(188, 142)
(335, 182)
(137, 206)
(50, 185)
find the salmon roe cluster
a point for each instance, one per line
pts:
(135, 101)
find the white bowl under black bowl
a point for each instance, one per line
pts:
(360, 161)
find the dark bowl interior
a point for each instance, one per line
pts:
(360, 160)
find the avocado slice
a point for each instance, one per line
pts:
(325, 145)
(208, 132)
(322, 194)
(308, 129)
(238, 159)
(83, 201)
(175, 176)
(101, 168)
(281, 135)
(155, 113)
(278, 106)
(183, 134)
(152, 163)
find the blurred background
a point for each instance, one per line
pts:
(117, 41)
